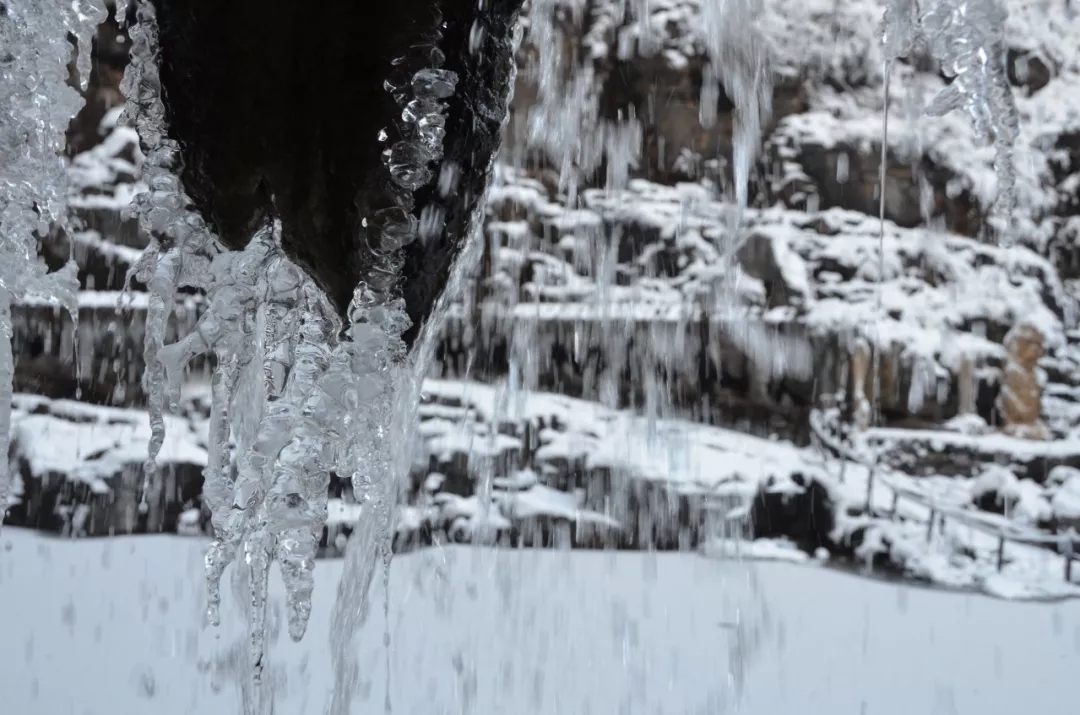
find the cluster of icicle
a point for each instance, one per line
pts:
(739, 66)
(36, 105)
(565, 121)
(967, 38)
(293, 395)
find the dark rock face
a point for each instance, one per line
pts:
(106, 343)
(801, 509)
(279, 109)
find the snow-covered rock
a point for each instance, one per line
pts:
(998, 490)
(1065, 504)
(80, 460)
(796, 507)
(651, 260)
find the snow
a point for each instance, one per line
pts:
(715, 462)
(964, 555)
(88, 443)
(994, 443)
(1066, 502)
(115, 626)
(758, 550)
(543, 501)
(123, 255)
(937, 289)
(113, 300)
(693, 457)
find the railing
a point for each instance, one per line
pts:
(995, 525)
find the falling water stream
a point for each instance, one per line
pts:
(296, 393)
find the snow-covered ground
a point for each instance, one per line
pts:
(579, 442)
(114, 626)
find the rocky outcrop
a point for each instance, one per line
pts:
(100, 361)
(81, 470)
(796, 507)
(804, 286)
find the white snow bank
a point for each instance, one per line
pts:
(88, 443)
(692, 458)
(1066, 501)
(120, 623)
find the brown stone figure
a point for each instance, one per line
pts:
(860, 369)
(1020, 400)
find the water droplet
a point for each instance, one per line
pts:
(439, 84)
(408, 164)
(396, 227)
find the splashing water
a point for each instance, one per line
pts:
(36, 104)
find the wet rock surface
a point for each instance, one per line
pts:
(240, 96)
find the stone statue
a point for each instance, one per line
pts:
(1020, 400)
(860, 370)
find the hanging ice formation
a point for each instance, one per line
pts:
(295, 395)
(967, 38)
(378, 443)
(181, 246)
(36, 105)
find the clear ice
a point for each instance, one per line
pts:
(36, 105)
(967, 38)
(181, 245)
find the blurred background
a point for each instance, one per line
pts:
(608, 378)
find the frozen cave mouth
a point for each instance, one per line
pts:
(282, 111)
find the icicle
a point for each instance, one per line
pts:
(879, 287)
(7, 375)
(180, 243)
(373, 391)
(738, 63)
(281, 389)
(967, 38)
(37, 105)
